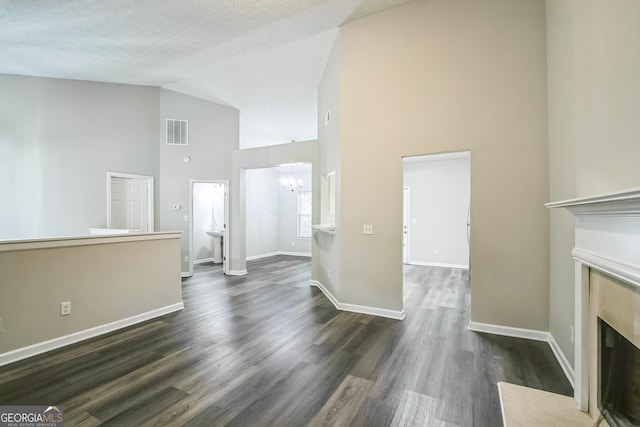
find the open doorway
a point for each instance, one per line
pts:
(130, 202)
(437, 194)
(436, 225)
(278, 211)
(208, 228)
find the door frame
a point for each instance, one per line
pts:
(225, 233)
(150, 191)
(406, 219)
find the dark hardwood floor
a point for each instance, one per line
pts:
(266, 349)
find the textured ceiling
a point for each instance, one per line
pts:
(264, 57)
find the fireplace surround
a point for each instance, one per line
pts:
(607, 283)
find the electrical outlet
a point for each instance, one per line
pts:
(176, 207)
(186, 258)
(65, 308)
(367, 229)
(186, 218)
(571, 334)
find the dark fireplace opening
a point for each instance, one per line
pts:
(619, 378)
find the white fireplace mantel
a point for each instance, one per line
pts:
(626, 203)
(607, 238)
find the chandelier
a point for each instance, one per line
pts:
(290, 183)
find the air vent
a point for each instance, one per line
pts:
(177, 132)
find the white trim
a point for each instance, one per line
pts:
(202, 261)
(374, 311)
(45, 346)
(236, 272)
(185, 274)
(439, 264)
(620, 270)
(530, 334)
(624, 203)
(305, 254)
(71, 241)
(564, 363)
(255, 257)
(406, 222)
(326, 293)
(508, 331)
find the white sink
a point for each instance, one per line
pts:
(215, 233)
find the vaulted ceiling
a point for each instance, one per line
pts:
(263, 57)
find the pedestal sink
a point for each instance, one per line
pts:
(217, 245)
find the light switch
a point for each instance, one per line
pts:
(367, 229)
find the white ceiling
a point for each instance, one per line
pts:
(264, 57)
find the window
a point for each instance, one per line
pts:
(304, 214)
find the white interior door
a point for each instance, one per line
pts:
(137, 204)
(406, 215)
(130, 202)
(119, 203)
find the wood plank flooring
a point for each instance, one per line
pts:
(266, 349)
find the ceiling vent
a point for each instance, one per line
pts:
(177, 132)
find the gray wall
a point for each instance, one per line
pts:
(263, 210)
(594, 106)
(442, 76)
(58, 139)
(326, 266)
(213, 135)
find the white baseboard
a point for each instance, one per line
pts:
(530, 334)
(508, 331)
(236, 272)
(185, 274)
(374, 311)
(202, 261)
(43, 347)
(254, 257)
(439, 264)
(564, 363)
(305, 254)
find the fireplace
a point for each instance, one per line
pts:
(619, 378)
(607, 305)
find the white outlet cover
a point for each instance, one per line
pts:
(367, 229)
(65, 308)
